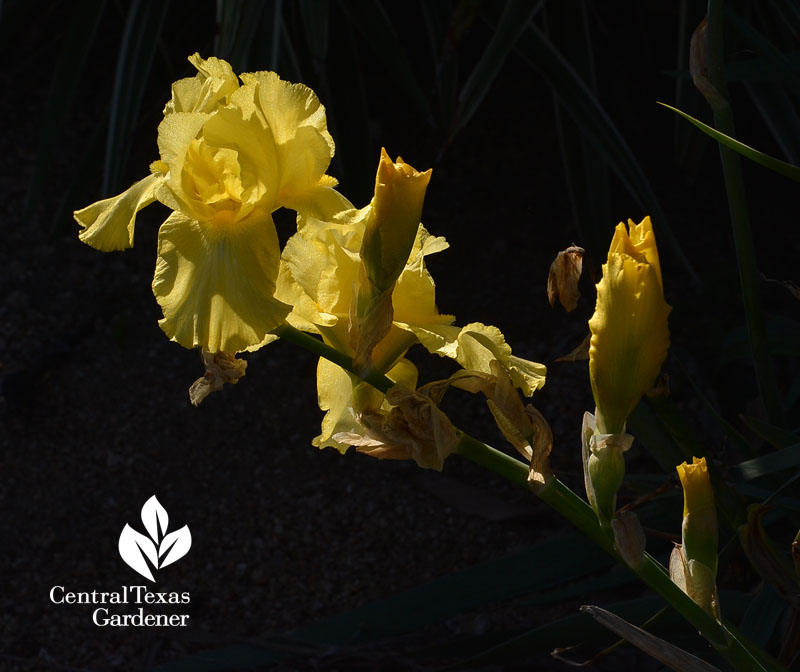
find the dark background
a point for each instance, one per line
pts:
(94, 407)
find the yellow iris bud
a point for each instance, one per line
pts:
(699, 513)
(630, 335)
(694, 564)
(396, 213)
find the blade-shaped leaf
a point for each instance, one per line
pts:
(137, 49)
(787, 458)
(237, 21)
(785, 169)
(664, 652)
(772, 434)
(68, 71)
(516, 16)
(763, 615)
(154, 516)
(778, 62)
(598, 128)
(134, 547)
(780, 116)
(316, 22)
(375, 27)
(176, 544)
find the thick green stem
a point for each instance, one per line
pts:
(559, 497)
(719, 100)
(742, 656)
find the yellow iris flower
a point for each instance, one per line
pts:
(630, 335)
(319, 276)
(323, 271)
(231, 153)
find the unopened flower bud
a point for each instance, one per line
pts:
(397, 210)
(629, 328)
(699, 533)
(603, 467)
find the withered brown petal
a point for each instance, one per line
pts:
(562, 281)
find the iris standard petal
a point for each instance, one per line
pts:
(108, 224)
(297, 120)
(214, 82)
(217, 292)
(175, 135)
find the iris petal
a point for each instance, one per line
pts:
(217, 292)
(108, 224)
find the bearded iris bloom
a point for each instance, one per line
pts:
(231, 153)
(630, 335)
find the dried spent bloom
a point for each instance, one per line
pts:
(562, 280)
(630, 335)
(221, 367)
(413, 428)
(230, 155)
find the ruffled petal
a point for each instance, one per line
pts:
(334, 392)
(237, 128)
(214, 82)
(175, 135)
(108, 224)
(475, 347)
(321, 201)
(630, 336)
(217, 292)
(414, 296)
(297, 120)
(343, 396)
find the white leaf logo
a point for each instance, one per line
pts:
(160, 549)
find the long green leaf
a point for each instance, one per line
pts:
(787, 458)
(780, 116)
(316, 21)
(785, 169)
(776, 436)
(512, 24)
(655, 647)
(778, 62)
(763, 615)
(567, 631)
(69, 70)
(375, 27)
(598, 128)
(237, 22)
(137, 49)
(534, 569)
(783, 338)
(586, 171)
